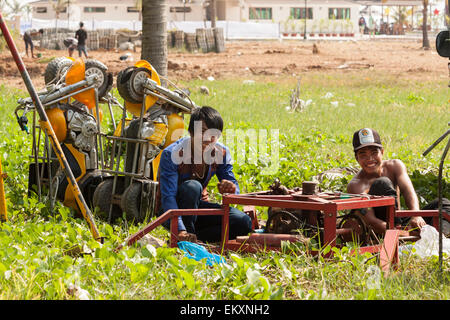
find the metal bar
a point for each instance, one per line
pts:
(416, 213)
(173, 231)
(119, 153)
(128, 174)
(55, 96)
(150, 85)
(342, 204)
(169, 214)
(329, 225)
(49, 169)
(111, 113)
(3, 211)
(35, 156)
(231, 199)
(49, 103)
(438, 140)
(441, 168)
(389, 251)
(126, 139)
(48, 129)
(99, 140)
(176, 104)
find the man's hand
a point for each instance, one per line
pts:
(185, 236)
(226, 186)
(417, 222)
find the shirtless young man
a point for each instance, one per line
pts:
(381, 177)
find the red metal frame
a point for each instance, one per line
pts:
(329, 205)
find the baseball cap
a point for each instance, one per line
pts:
(366, 137)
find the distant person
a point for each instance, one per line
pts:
(81, 36)
(362, 24)
(372, 26)
(29, 42)
(71, 44)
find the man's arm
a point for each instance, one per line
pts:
(406, 186)
(408, 192)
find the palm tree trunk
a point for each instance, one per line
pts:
(154, 34)
(447, 14)
(425, 41)
(213, 13)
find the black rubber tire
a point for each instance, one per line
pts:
(122, 78)
(55, 69)
(95, 66)
(137, 93)
(102, 198)
(131, 203)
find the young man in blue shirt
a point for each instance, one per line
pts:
(185, 170)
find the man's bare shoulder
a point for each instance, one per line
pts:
(393, 166)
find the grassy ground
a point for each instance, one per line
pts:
(408, 114)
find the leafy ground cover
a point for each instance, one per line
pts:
(409, 115)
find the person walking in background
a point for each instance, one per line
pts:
(81, 36)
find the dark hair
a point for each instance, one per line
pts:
(210, 116)
(81, 24)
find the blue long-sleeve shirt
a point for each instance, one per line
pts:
(174, 169)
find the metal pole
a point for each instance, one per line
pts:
(441, 166)
(3, 212)
(48, 129)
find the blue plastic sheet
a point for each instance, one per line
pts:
(198, 252)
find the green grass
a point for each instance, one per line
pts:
(408, 114)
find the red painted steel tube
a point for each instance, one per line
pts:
(149, 227)
(173, 231)
(329, 225)
(420, 213)
(169, 214)
(269, 239)
(45, 124)
(389, 251)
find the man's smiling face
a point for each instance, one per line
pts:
(370, 158)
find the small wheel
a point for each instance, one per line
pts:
(135, 84)
(359, 230)
(55, 69)
(131, 203)
(122, 79)
(99, 69)
(102, 198)
(282, 222)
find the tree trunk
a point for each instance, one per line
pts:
(425, 41)
(154, 35)
(447, 14)
(213, 13)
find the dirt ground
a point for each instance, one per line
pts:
(246, 59)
